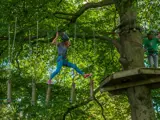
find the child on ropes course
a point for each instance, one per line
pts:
(151, 47)
(62, 56)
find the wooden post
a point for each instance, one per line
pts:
(91, 89)
(33, 101)
(73, 94)
(48, 94)
(9, 91)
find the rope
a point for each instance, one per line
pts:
(48, 47)
(57, 39)
(32, 102)
(30, 49)
(30, 42)
(84, 44)
(9, 50)
(37, 30)
(75, 30)
(73, 96)
(37, 38)
(94, 44)
(87, 50)
(9, 61)
(14, 39)
(37, 45)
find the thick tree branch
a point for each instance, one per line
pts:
(88, 6)
(59, 2)
(3, 38)
(63, 13)
(100, 37)
(62, 17)
(101, 107)
(83, 9)
(89, 36)
(74, 107)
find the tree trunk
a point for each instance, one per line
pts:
(141, 103)
(132, 56)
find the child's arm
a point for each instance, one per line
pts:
(54, 41)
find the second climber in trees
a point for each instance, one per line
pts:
(151, 47)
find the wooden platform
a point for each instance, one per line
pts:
(140, 76)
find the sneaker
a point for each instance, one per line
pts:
(87, 75)
(49, 82)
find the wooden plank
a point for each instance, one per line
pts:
(149, 71)
(123, 91)
(106, 81)
(121, 74)
(118, 77)
(126, 73)
(131, 84)
(136, 71)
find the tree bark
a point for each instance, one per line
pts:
(132, 56)
(141, 103)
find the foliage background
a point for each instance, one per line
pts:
(24, 60)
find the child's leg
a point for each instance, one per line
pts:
(59, 66)
(155, 59)
(69, 64)
(150, 60)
